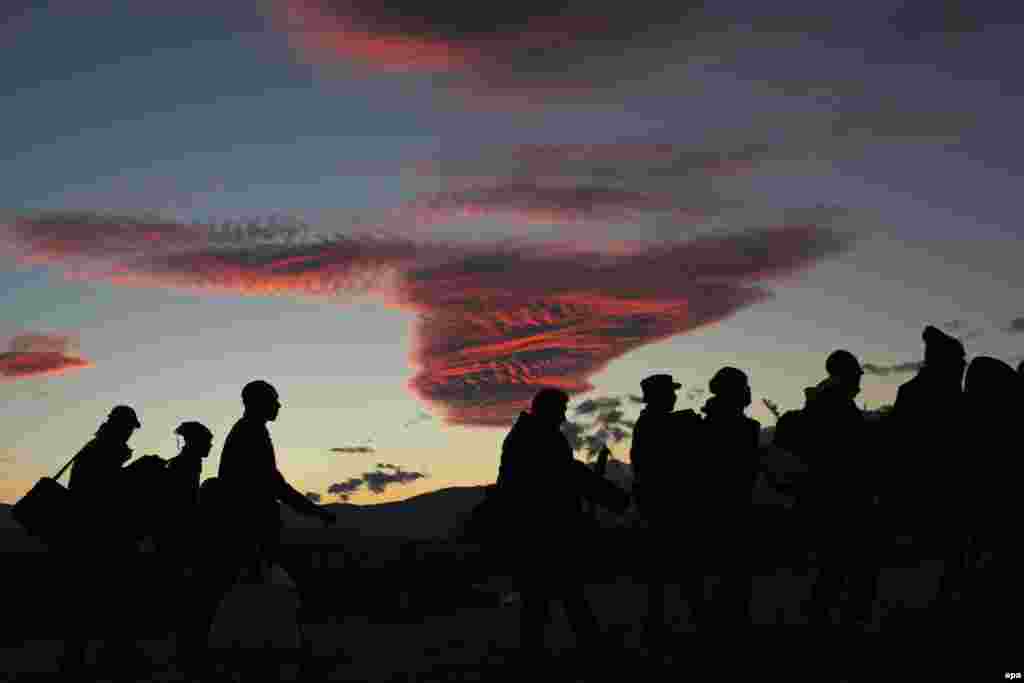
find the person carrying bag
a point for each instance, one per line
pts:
(45, 510)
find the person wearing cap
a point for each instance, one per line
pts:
(651, 437)
(103, 550)
(656, 467)
(543, 516)
(725, 472)
(182, 533)
(179, 497)
(95, 470)
(927, 440)
(836, 497)
(183, 470)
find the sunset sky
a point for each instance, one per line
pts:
(408, 217)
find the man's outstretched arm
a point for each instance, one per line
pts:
(287, 494)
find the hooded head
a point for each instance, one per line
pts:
(943, 355)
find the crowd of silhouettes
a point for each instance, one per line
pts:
(941, 468)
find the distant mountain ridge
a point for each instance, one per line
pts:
(435, 514)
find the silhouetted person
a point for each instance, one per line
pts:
(102, 549)
(184, 469)
(249, 476)
(248, 489)
(926, 433)
(837, 494)
(178, 538)
(725, 470)
(655, 462)
(994, 394)
(537, 479)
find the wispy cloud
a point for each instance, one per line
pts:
(353, 449)
(376, 481)
(421, 416)
(895, 369)
(389, 475)
(35, 354)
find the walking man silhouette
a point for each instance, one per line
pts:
(838, 492)
(654, 460)
(249, 486)
(549, 518)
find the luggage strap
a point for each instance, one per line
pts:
(57, 476)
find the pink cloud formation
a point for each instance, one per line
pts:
(505, 45)
(495, 321)
(496, 327)
(36, 354)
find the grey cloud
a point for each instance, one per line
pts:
(896, 369)
(380, 479)
(346, 488)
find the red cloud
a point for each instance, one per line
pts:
(495, 328)
(323, 35)
(495, 323)
(35, 354)
(499, 46)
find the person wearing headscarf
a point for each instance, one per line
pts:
(927, 435)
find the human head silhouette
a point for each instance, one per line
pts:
(844, 367)
(198, 439)
(731, 388)
(944, 355)
(120, 424)
(659, 392)
(261, 400)
(549, 405)
(992, 382)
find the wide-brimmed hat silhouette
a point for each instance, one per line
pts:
(658, 385)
